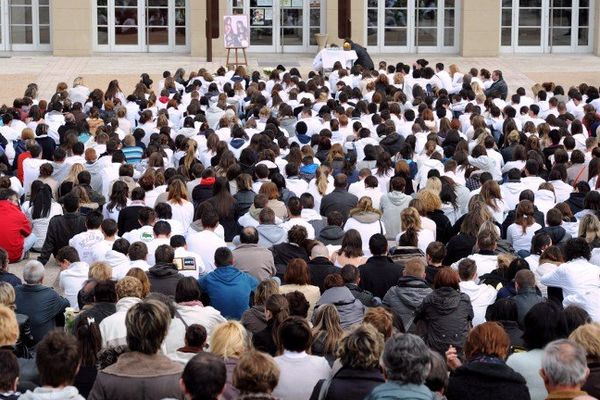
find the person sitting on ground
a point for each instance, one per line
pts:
(57, 360)
(252, 258)
(256, 376)
(227, 287)
(379, 273)
(164, 275)
(44, 307)
(405, 362)
(142, 369)
(564, 369)
(351, 276)
(481, 295)
(407, 295)
(203, 377)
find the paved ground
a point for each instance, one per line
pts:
(20, 69)
(52, 271)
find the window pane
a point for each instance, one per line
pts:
(261, 36)
(371, 36)
(584, 3)
(449, 37)
(506, 38)
(292, 17)
(371, 17)
(126, 35)
(507, 3)
(529, 36)
(395, 18)
(44, 15)
(23, 2)
(315, 17)
(583, 37)
(181, 3)
(506, 17)
(158, 3)
(449, 18)
(102, 3)
(292, 36)
(20, 16)
(158, 17)
(561, 17)
(530, 17)
(561, 37)
(427, 37)
(236, 3)
(126, 16)
(44, 35)
(530, 3)
(396, 3)
(180, 36)
(449, 4)
(395, 37)
(427, 18)
(158, 36)
(372, 3)
(102, 35)
(563, 3)
(584, 15)
(102, 16)
(180, 17)
(126, 3)
(21, 34)
(313, 40)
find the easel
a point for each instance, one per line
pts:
(228, 63)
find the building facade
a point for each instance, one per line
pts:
(462, 27)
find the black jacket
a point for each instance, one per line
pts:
(283, 253)
(331, 234)
(319, 268)
(338, 200)
(558, 234)
(364, 296)
(201, 193)
(164, 278)
(244, 199)
(97, 311)
(443, 227)
(498, 89)
(525, 299)
(61, 229)
(228, 221)
(459, 247)
(379, 274)
(447, 314)
(350, 384)
(364, 59)
(486, 380)
(263, 340)
(592, 385)
(129, 219)
(392, 143)
(48, 146)
(575, 202)
(6, 276)
(514, 333)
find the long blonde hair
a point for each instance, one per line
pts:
(178, 192)
(327, 325)
(322, 176)
(73, 172)
(229, 339)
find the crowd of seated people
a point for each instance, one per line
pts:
(404, 232)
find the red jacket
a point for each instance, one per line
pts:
(14, 228)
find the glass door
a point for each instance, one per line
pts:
(412, 26)
(28, 25)
(282, 25)
(3, 25)
(141, 25)
(546, 26)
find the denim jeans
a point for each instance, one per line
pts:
(28, 243)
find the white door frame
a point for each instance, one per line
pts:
(412, 45)
(277, 46)
(6, 43)
(143, 30)
(546, 46)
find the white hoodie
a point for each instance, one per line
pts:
(511, 192)
(481, 297)
(112, 328)
(44, 393)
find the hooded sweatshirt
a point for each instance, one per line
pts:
(406, 297)
(350, 309)
(163, 278)
(392, 204)
(229, 290)
(367, 224)
(511, 191)
(481, 297)
(396, 390)
(44, 393)
(331, 234)
(270, 235)
(119, 262)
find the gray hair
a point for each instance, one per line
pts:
(33, 272)
(564, 363)
(406, 359)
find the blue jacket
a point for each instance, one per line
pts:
(229, 290)
(397, 391)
